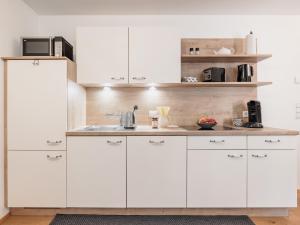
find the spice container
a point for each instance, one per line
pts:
(154, 122)
(192, 51)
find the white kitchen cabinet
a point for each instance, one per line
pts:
(96, 172)
(102, 55)
(217, 142)
(272, 142)
(156, 172)
(37, 179)
(217, 179)
(272, 178)
(154, 55)
(36, 104)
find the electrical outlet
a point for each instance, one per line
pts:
(245, 114)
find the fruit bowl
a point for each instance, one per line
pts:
(207, 123)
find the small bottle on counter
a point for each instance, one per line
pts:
(197, 51)
(154, 122)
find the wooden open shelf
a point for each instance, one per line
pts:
(224, 58)
(186, 85)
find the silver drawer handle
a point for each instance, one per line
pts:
(156, 142)
(114, 142)
(216, 142)
(53, 142)
(139, 78)
(259, 156)
(54, 157)
(271, 141)
(117, 78)
(235, 156)
(36, 62)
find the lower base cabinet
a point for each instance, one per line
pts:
(37, 179)
(272, 178)
(156, 172)
(96, 172)
(217, 179)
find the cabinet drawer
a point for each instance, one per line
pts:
(272, 142)
(217, 142)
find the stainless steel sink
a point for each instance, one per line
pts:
(102, 128)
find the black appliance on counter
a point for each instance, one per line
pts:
(214, 74)
(47, 46)
(254, 113)
(245, 72)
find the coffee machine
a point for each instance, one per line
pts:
(254, 113)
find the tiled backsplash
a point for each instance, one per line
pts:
(187, 104)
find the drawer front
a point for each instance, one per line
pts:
(217, 142)
(272, 142)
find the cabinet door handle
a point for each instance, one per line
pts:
(235, 156)
(259, 156)
(217, 142)
(271, 141)
(139, 78)
(117, 78)
(156, 142)
(53, 142)
(54, 157)
(36, 62)
(114, 142)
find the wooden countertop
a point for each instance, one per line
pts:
(185, 131)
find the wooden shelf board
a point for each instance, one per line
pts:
(186, 85)
(224, 58)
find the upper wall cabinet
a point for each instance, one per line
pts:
(105, 55)
(154, 55)
(102, 55)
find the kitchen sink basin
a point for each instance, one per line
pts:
(102, 128)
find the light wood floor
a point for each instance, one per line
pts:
(292, 219)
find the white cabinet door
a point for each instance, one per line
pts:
(37, 179)
(102, 55)
(154, 55)
(36, 104)
(156, 172)
(272, 178)
(217, 178)
(96, 172)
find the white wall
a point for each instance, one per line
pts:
(16, 19)
(278, 35)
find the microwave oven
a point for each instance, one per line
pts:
(47, 46)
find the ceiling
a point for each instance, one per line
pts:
(168, 7)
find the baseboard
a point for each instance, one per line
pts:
(4, 218)
(154, 211)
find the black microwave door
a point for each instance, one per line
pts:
(36, 47)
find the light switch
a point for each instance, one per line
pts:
(297, 80)
(298, 111)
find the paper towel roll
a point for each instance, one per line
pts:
(251, 44)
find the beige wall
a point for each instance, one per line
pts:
(16, 20)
